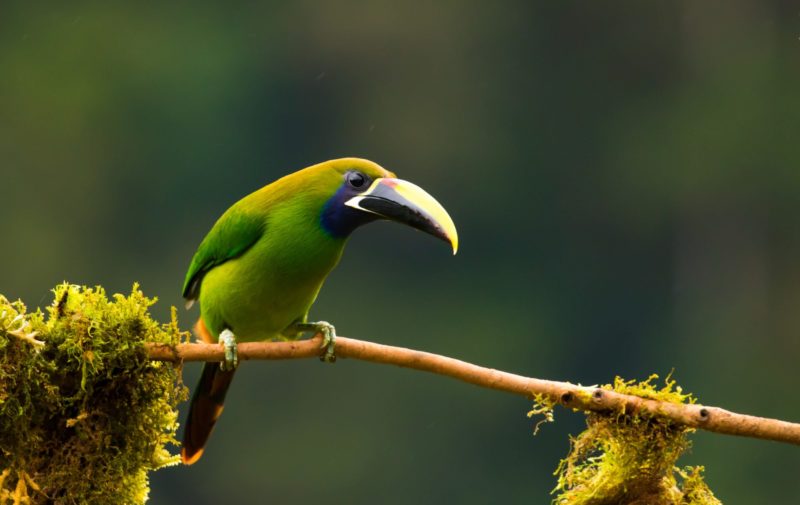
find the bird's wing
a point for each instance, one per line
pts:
(234, 233)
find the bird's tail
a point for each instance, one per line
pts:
(207, 404)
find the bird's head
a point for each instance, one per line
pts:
(365, 192)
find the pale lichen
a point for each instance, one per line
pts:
(85, 416)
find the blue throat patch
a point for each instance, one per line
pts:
(338, 219)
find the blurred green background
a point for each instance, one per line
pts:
(624, 177)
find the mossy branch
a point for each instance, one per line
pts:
(585, 398)
(85, 416)
(88, 409)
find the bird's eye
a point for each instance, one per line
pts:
(356, 179)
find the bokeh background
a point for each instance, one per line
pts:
(624, 177)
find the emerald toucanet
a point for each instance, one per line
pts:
(260, 268)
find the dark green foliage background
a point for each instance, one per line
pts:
(624, 177)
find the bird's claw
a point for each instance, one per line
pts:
(328, 333)
(328, 341)
(22, 332)
(228, 341)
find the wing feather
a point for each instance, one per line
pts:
(232, 235)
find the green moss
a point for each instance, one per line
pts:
(622, 459)
(542, 406)
(85, 416)
(669, 392)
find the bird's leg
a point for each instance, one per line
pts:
(228, 340)
(328, 337)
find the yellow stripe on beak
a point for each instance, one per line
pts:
(407, 203)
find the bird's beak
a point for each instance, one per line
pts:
(407, 203)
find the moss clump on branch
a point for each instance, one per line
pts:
(84, 414)
(623, 459)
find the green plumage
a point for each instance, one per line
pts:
(260, 267)
(234, 234)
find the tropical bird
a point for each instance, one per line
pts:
(259, 270)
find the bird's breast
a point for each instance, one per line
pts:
(272, 285)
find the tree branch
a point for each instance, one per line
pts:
(569, 395)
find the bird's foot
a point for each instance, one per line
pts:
(328, 338)
(328, 341)
(23, 334)
(228, 341)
